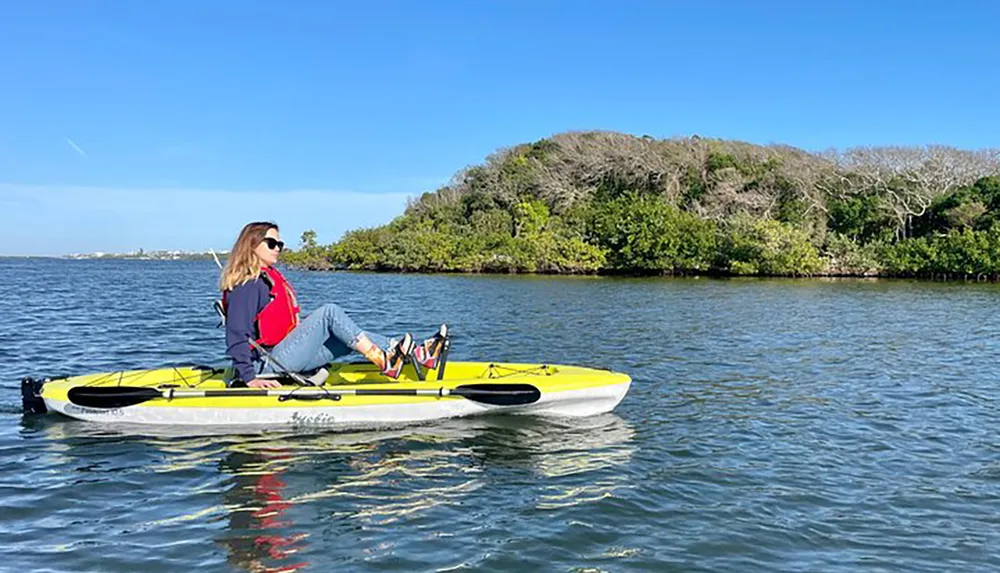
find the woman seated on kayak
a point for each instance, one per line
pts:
(260, 304)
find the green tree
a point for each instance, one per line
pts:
(643, 233)
(308, 239)
(767, 247)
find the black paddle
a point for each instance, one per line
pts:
(123, 396)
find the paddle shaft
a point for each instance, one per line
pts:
(123, 396)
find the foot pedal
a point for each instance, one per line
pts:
(443, 360)
(412, 359)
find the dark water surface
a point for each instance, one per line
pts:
(773, 425)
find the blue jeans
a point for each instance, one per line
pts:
(324, 335)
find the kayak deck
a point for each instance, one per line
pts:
(358, 393)
(350, 375)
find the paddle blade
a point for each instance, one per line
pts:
(111, 396)
(499, 394)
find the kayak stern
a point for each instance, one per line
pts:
(31, 395)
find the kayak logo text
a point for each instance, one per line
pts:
(74, 409)
(313, 420)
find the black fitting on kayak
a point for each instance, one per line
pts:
(31, 396)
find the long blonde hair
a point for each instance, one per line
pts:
(243, 265)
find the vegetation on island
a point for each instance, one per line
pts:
(602, 202)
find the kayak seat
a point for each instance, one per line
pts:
(315, 378)
(217, 305)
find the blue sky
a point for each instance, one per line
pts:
(168, 125)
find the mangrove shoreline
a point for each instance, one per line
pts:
(615, 204)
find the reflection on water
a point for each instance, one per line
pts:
(259, 536)
(268, 491)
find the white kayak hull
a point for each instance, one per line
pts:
(325, 414)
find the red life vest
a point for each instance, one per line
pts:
(281, 315)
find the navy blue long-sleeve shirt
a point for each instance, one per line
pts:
(244, 304)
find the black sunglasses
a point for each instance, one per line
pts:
(274, 244)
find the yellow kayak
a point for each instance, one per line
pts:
(352, 394)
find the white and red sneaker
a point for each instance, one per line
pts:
(395, 358)
(428, 352)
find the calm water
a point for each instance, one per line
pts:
(772, 426)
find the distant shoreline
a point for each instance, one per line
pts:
(936, 277)
(142, 255)
(119, 257)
